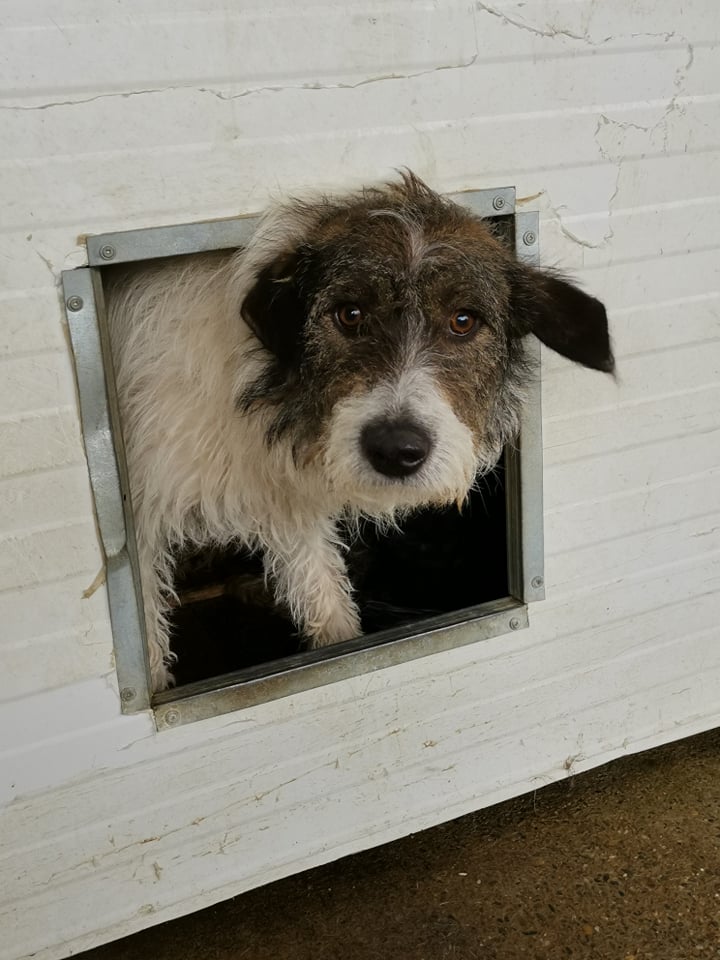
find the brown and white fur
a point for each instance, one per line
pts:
(361, 356)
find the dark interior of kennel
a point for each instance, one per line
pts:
(437, 562)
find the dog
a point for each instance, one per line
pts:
(361, 357)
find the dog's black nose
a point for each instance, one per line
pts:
(395, 448)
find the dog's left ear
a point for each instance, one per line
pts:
(564, 318)
(274, 309)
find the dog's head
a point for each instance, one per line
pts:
(392, 322)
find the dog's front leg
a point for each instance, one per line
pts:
(308, 574)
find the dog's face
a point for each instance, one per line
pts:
(393, 324)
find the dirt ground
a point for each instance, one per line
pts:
(622, 863)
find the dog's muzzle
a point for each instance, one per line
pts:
(395, 448)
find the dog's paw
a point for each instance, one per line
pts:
(345, 625)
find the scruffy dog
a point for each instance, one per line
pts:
(362, 356)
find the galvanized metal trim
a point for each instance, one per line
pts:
(129, 246)
(499, 202)
(305, 671)
(524, 461)
(85, 305)
(106, 460)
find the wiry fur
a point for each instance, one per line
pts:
(243, 401)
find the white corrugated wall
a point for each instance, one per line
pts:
(606, 117)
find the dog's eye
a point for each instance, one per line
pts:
(349, 316)
(463, 322)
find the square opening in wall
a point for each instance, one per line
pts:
(434, 578)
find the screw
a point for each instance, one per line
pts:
(529, 238)
(537, 582)
(498, 203)
(172, 717)
(514, 624)
(127, 694)
(74, 304)
(107, 252)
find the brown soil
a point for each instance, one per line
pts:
(622, 863)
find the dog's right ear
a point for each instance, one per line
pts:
(274, 309)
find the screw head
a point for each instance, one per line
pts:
(529, 238)
(514, 624)
(107, 252)
(127, 694)
(172, 717)
(537, 582)
(74, 303)
(498, 203)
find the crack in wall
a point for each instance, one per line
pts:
(552, 31)
(674, 106)
(381, 78)
(581, 241)
(609, 233)
(100, 96)
(558, 213)
(252, 91)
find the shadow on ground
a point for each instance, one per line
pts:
(622, 863)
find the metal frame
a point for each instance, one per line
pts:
(85, 310)
(85, 305)
(524, 461)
